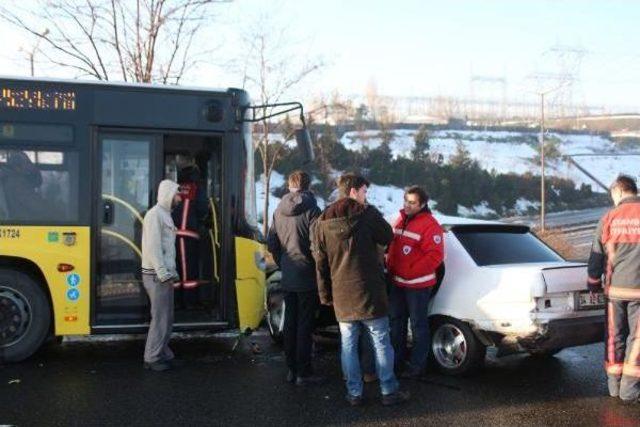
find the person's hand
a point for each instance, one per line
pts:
(170, 281)
(594, 285)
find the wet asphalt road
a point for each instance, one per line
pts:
(103, 383)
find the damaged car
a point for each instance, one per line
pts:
(500, 287)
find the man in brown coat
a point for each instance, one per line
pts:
(351, 278)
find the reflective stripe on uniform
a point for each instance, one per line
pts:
(416, 280)
(618, 292)
(191, 284)
(611, 351)
(188, 233)
(631, 370)
(183, 227)
(613, 368)
(409, 234)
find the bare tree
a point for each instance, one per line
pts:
(130, 40)
(271, 69)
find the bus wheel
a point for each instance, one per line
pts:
(25, 316)
(275, 315)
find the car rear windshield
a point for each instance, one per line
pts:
(504, 245)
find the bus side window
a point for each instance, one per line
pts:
(32, 180)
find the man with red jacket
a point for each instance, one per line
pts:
(616, 255)
(415, 253)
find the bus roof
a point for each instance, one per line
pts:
(119, 84)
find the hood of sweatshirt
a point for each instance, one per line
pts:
(166, 190)
(342, 218)
(296, 203)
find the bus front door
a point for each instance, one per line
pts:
(127, 174)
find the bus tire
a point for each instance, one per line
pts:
(25, 316)
(276, 311)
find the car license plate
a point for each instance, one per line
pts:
(590, 300)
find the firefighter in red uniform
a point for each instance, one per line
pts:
(187, 217)
(616, 255)
(415, 253)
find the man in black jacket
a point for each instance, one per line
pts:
(288, 241)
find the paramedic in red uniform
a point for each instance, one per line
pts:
(616, 255)
(414, 255)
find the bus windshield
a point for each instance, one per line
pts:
(250, 210)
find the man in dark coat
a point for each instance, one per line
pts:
(289, 243)
(351, 278)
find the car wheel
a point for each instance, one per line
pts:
(276, 310)
(455, 348)
(544, 354)
(25, 316)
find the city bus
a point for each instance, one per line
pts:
(80, 163)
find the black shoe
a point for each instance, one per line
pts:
(411, 374)
(291, 377)
(395, 398)
(369, 377)
(158, 366)
(353, 400)
(175, 362)
(309, 380)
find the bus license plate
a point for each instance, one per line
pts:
(590, 300)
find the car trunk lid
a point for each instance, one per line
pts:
(566, 278)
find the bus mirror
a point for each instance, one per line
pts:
(304, 145)
(259, 113)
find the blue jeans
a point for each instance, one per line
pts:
(367, 358)
(378, 331)
(410, 304)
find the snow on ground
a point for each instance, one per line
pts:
(523, 206)
(401, 145)
(276, 138)
(277, 180)
(512, 152)
(386, 198)
(479, 211)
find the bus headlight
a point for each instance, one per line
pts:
(261, 262)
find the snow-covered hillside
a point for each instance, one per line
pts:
(387, 199)
(502, 151)
(512, 152)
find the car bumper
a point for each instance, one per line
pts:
(563, 333)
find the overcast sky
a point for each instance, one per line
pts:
(427, 48)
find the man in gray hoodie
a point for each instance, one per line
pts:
(289, 243)
(159, 274)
